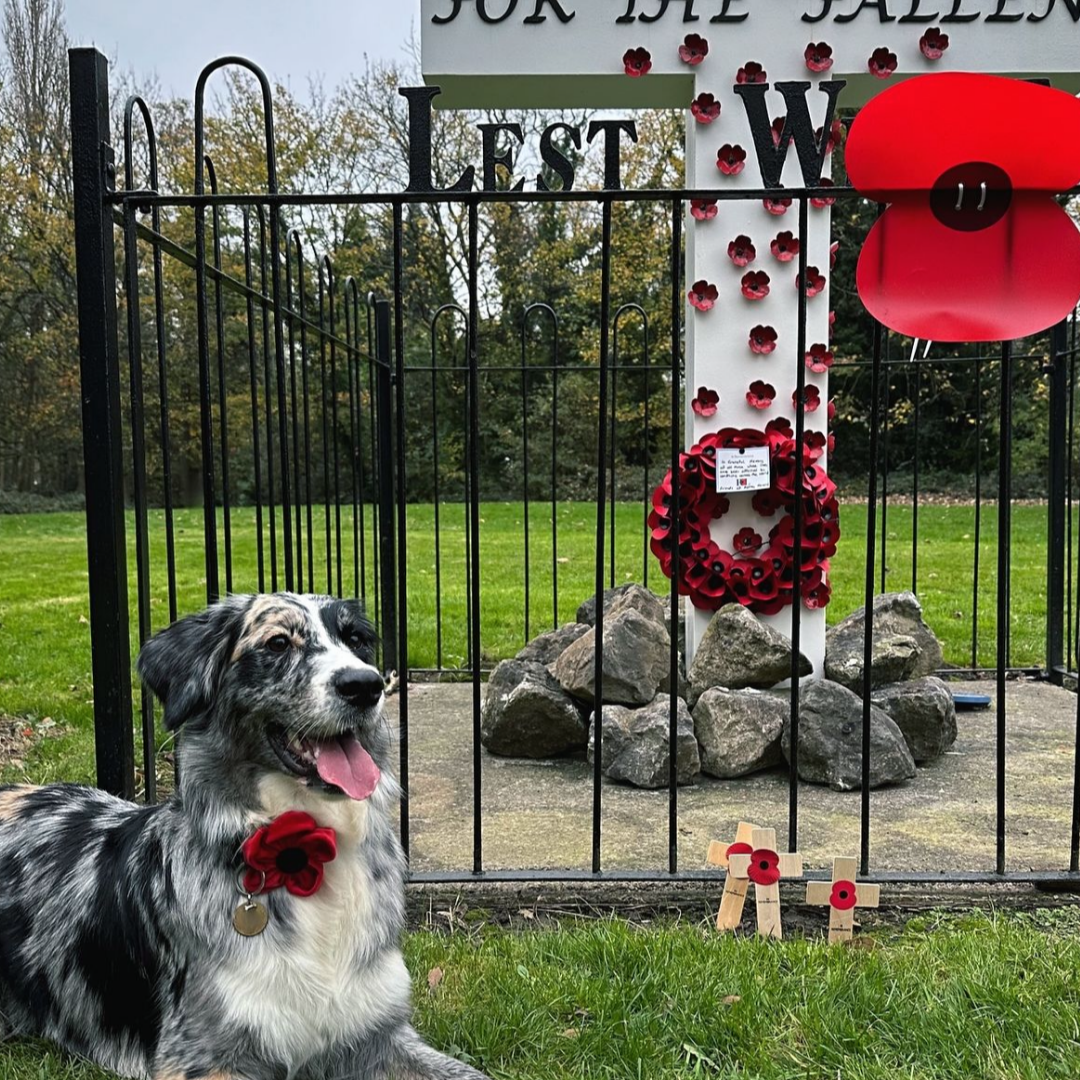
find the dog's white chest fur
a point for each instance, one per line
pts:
(328, 979)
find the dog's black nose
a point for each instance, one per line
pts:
(359, 687)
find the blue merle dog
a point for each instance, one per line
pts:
(120, 935)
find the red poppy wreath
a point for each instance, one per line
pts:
(973, 247)
(762, 580)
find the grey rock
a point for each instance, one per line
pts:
(739, 731)
(631, 595)
(904, 647)
(830, 741)
(526, 713)
(665, 603)
(547, 648)
(636, 743)
(737, 651)
(925, 713)
(636, 660)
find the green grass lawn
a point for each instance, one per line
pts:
(970, 997)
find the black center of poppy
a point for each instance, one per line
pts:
(843, 894)
(292, 860)
(971, 196)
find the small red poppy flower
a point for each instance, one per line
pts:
(746, 540)
(832, 323)
(761, 580)
(834, 247)
(703, 295)
(784, 247)
(778, 432)
(815, 281)
(961, 252)
(815, 443)
(765, 502)
(755, 285)
(761, 394)
(819, 202)
(741, 250)
(762, 340)
(776, 206)
(764, 867)
(832, 410)
(290, 851)
(778, 129)
(831, 444)
(738, 849)
(751, 72)
(703, 209)
(705, 108)
(819, 359)
(818, 56)
(693, 50)
(637, 62)
(933, 43)
(816, 594)
(731, 160)
(844, 895)
(706, 401)
(837, 131)
(882, 63)
(811, 398)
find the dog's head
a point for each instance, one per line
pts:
(274, 683)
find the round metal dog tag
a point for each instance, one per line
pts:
(249, 918)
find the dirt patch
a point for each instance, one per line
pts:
(18, 735)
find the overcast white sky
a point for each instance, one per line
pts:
(290, 39)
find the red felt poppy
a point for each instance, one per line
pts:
(776, 206)
(762, 340)
(693, 50)
(815, 281)
(764, 867)
(844, 895)
(731, 160)
(738, 849)
(637, 62)
(751, 72)
(963, 253)
(933, 43)
(777, 434)
(815, 442)
(746, 540)
(816, 591)
(819, 359)
(290, 851)
(784, 247)
(706, 401)
(761, 394)
(703, 295)
(765, 502)
(818, 56)
(819, 202)
(755, 285)
(741, 250)
(705, 108)
(703, 209)
(882, 63)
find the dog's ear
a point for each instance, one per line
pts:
(183, 663)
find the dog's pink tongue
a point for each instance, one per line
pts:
(343, 761)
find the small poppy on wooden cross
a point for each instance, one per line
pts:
(843, 896)
(753, 858)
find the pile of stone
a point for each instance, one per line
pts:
(730, 722)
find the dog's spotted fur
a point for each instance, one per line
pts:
(116, 935)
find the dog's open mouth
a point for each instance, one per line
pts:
(339, 762)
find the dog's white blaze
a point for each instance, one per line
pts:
(334, 658)
(330, 984)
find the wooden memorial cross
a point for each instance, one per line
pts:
(753, 857)
(753, 61)
(843, 895)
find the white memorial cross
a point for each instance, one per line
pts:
(569, 53)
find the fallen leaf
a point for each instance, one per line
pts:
(570, 1033)
(434, 977)
(731, 999)
(84, 620)
(525, 913)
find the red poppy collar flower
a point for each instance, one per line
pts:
(637, 62)
(705, 108)
(703, 295)
(844, 895)
(731, 160)
(764, 867)
(290, 851)
(693, 50)
(973, 246)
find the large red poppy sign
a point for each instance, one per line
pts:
(973, 245)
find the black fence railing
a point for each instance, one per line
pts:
(475, 461)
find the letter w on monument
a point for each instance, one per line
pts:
(538, 53)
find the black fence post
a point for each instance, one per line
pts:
(1056, 525)
(94, 176)
(384, 411)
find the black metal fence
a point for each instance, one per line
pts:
(273, 422)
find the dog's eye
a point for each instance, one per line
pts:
(279, 643)
(354, 638)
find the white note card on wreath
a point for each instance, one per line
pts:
(743, 469)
